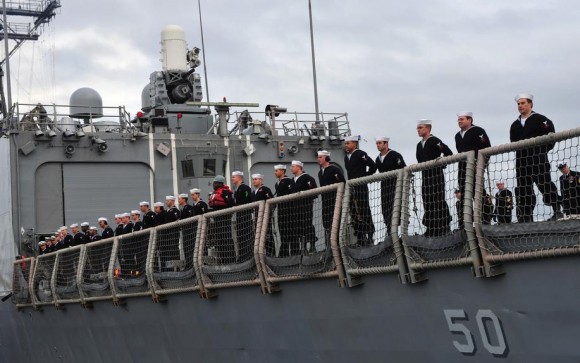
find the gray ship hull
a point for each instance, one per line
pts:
(536, 304)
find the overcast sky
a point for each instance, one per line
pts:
(387, 63)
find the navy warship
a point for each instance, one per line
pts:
(483, 292)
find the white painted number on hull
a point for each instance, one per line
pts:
(466, 345)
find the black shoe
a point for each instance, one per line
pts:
(556, 216)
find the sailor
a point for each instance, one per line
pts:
(199, 206)
(503, 203)
(148, 215)
(119, 224)
(137, 224)
(219, 231)
(532, 166)
(459, 208)
(358, 164)
(127, 224)
(78, 236)
(67, 239)
(93, 235)
(472, 138)
(107, 231)
(285, 210)
(50, 244)
(387, 160)
(159, 209)
(570, 189)
(303, 209)
(261, 192)
(242, 192)
(329, 174)
(85, 231)
(436, 216)
(186, 210)
(245, 232)
(172, 214)
(42, 248)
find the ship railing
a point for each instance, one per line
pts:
(171, 258)
(433, 233)
(328, 126)
(527, 229)
(226, 255)
(21, 281)
(127, 268)
(299, 236)
(65, 275)
(369, 237)
(56, 117)
(43, 280)
(95, 275)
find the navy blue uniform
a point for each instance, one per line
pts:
(285, 217)
(358, 164)
(391, 161)
(436, 217)
(532, 166)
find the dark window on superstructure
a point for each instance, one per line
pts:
(208, 167)
(224, 164)
(187, 168)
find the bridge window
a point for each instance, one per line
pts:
(187, 168)
(209, 167)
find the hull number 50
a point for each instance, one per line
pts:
(491, 333)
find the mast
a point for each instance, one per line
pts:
(313, 62)
(203, 52)
(40, 13)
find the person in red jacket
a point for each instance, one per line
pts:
(220, 230)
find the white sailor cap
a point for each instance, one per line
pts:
(103, 219)
(158, 204)
(93, 228)
(465, 114)
(185, 196)
(424, 121)
(41, 243)
(126, 215)
(136, 212)
(280, 167)
(382, 138)
(170, 197)
(323, 153)
(85, 224)
(117, 216)
(63, 228)
(501, 181)
(237, 173)
(352, 138)
(48, 238)
(528, 96)
(144, 203)
(257, 176)
(195, 190)
(74, 225)
(297, 163)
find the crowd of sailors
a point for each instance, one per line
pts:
(295, 222)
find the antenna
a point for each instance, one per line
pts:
(203, 51)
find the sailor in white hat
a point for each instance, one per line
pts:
(471, 138)
(93, 235)
(148, 215)
(305, 228)
(242, 192)
(136, 220)
(78, 236)
(159, 209)
(536, 169)
(85, 231)
(284, 184)
(436, 217)
(261, 192)
(504, 203)
(185, 208)
(107, 231)
(358, 164)
(327, 175)
(199, 206)
(387, 160)
(172, 214)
